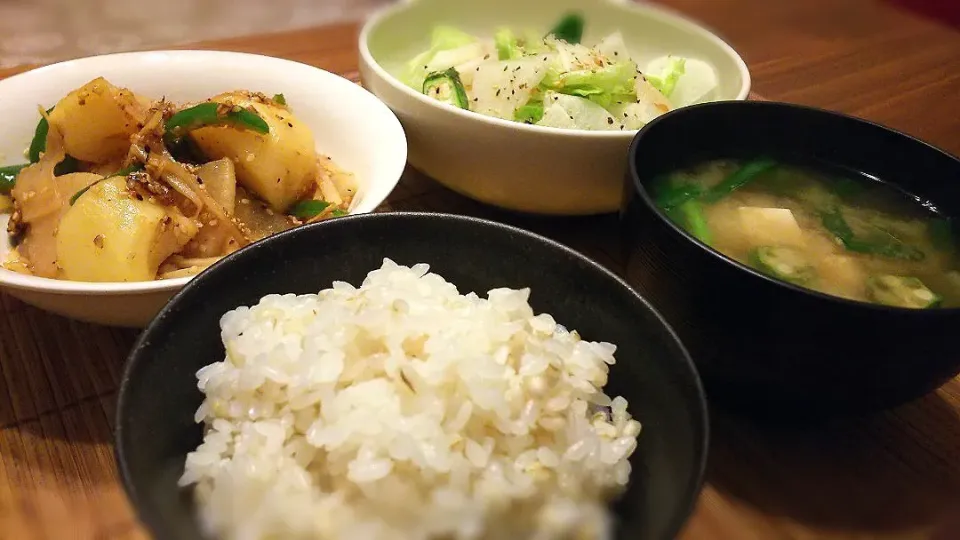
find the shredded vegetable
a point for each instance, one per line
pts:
(510, 75)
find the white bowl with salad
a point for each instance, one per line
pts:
(532, 105)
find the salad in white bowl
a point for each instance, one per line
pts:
(551, 79)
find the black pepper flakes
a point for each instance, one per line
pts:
(610, 120)
(498, 92)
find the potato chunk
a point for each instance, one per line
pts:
(109, 236)
(280, 167)
(97, 120)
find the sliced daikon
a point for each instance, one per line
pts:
(650, 103)
(450, 58)
(697, 84)
(499, 88)
(614, 48)
(584, 113)
(557, 117)
(573, 57)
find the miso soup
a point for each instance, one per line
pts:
(830, 231)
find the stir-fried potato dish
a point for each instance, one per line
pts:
(124, 188)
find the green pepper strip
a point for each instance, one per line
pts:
(569, 29)
(308, 209)
(209, 114)
(845, 187)
(8, 177)
(69, 165)
(279, 98)
(696, 221)
(458, 95)
(941, 234)
(39, 143)
(672, 197)
(743, 176)
(126, 171)
(891, 246)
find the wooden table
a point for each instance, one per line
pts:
(896, 475)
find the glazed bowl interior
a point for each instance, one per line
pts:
(762, 345)
(348, 123)
(158, 395)
(399, 33)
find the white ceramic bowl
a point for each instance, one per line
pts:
(516, 166)
(349, 124)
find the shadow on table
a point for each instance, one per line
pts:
(890, 472)
(60, 377)
(595, 236)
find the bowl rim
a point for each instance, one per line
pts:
(17, 281)
(641, 190)
(660, 13)
(691, 492)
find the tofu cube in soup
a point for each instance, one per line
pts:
(770, 226)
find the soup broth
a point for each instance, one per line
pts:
(841, 234)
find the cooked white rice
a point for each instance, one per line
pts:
(405, 410)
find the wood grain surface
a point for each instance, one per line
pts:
(893, 476)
